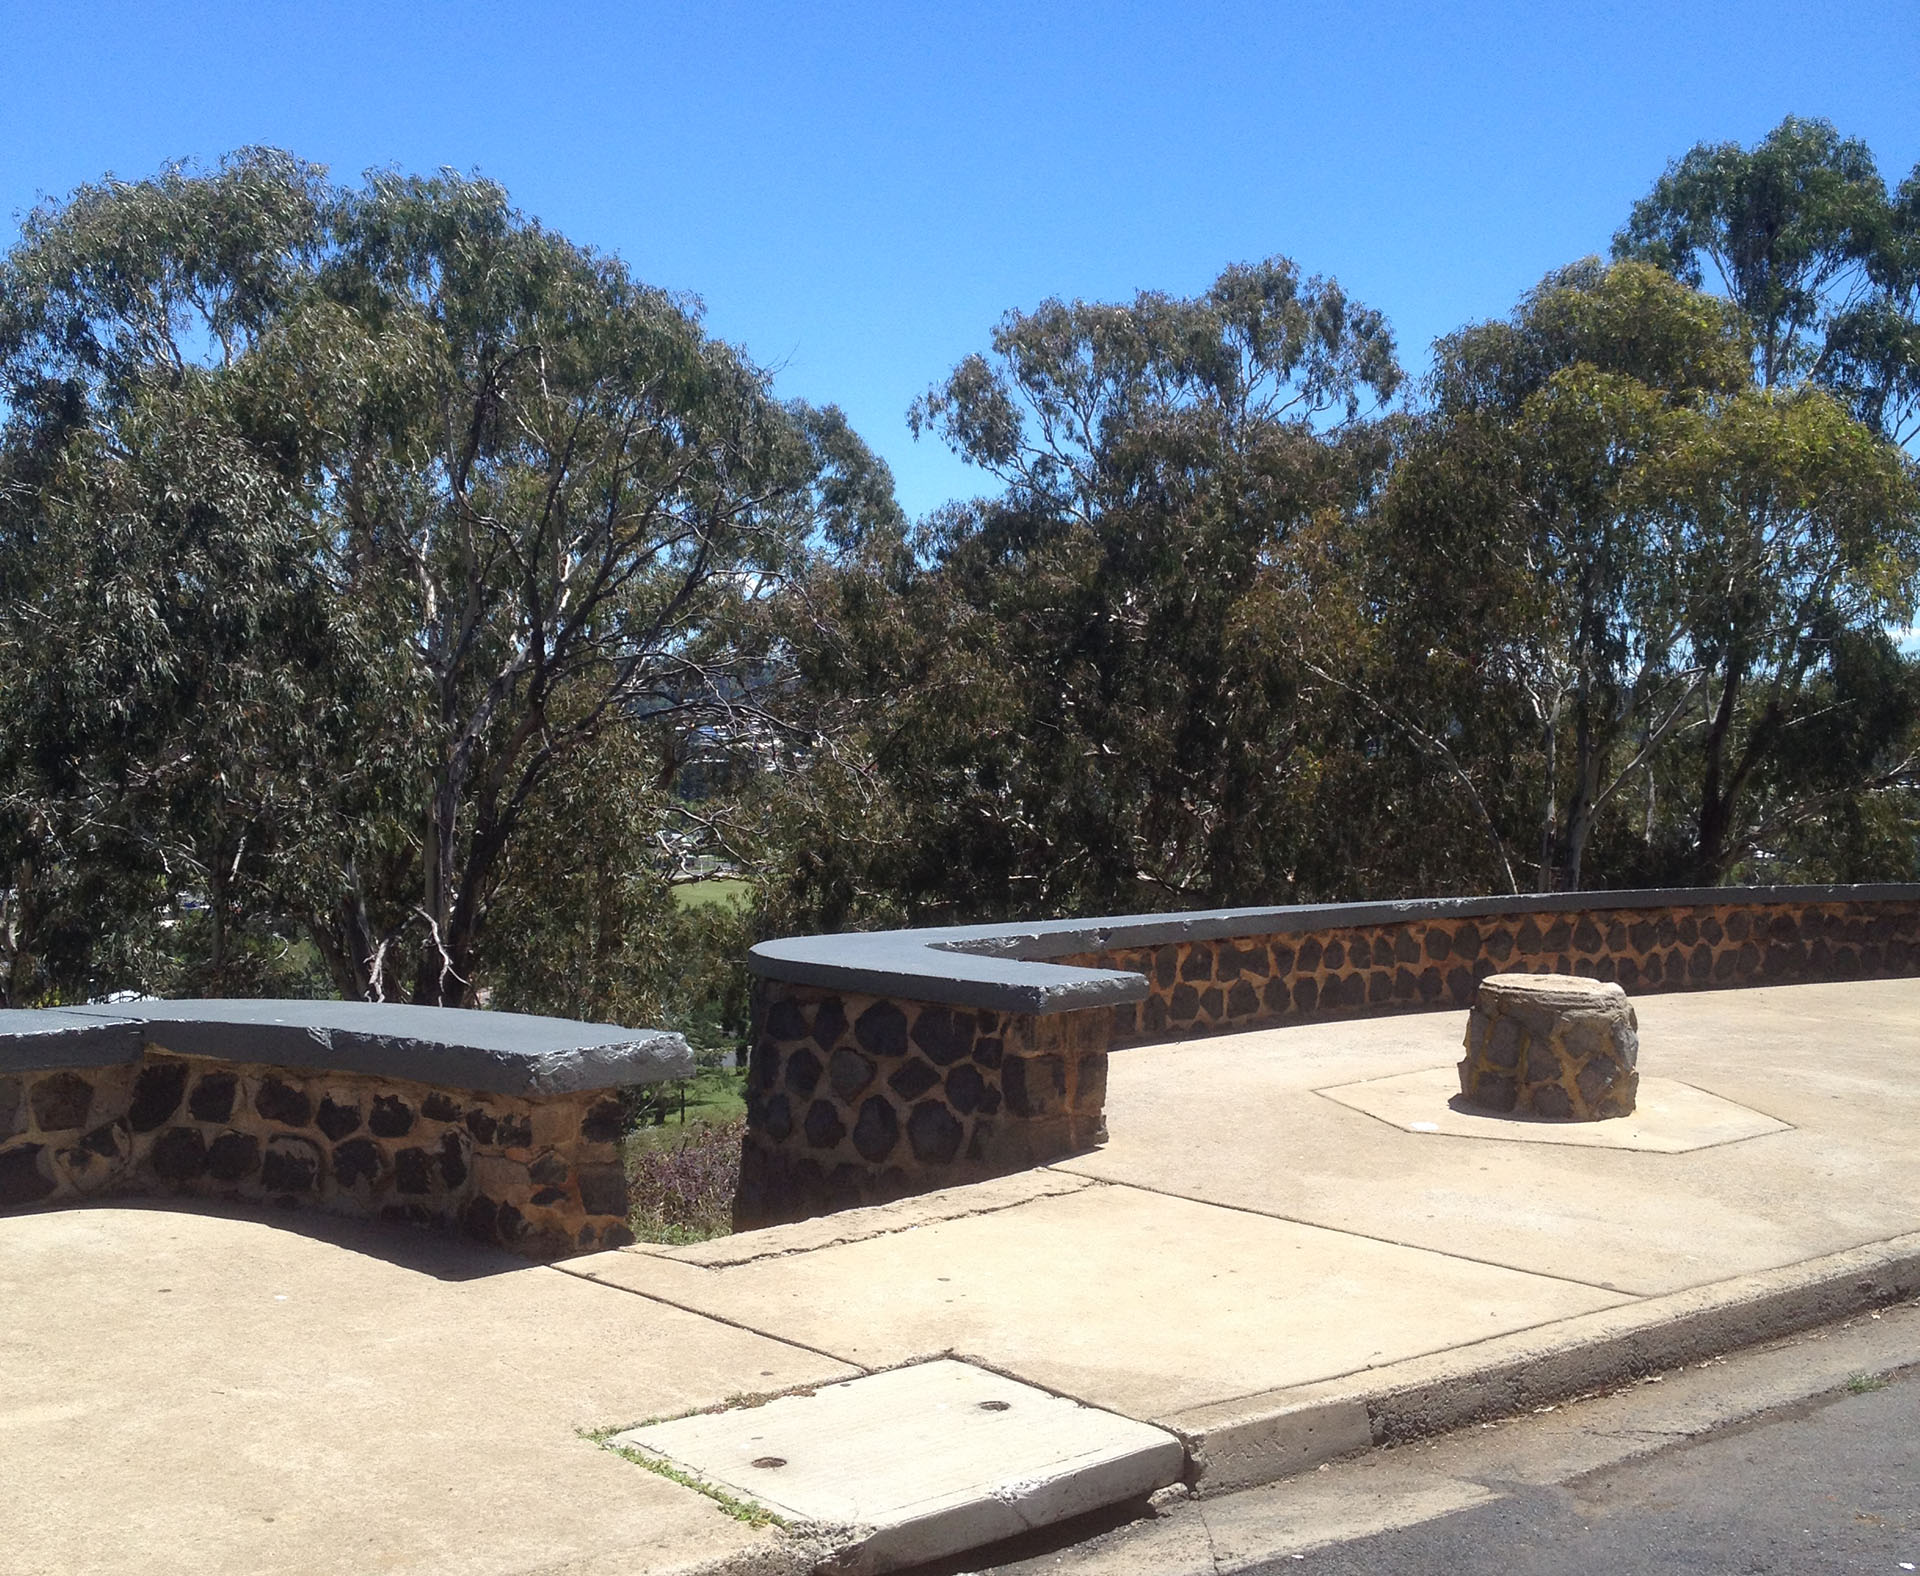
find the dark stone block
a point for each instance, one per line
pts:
(336, 1120)
(233, 1157)
(829, 1023)
(1334, 954)
(1700, 964)
(1243, 1001)
(1307, 957)
(1283, 959)
(1552, 1102)
(548, 1169)
(1380, 987)
(1460, 984)
(1628, 974)
(1528, 939)
(913, 1080)
(823, 1126)
(882, 1030)
(179, 1155)
(1184, 1005)
(105, 1141)
(803, 1071)
(785, 1021)
(1587, 937)
(509, 1224)
(1430, 984)
(1277, 996)
(1166, 965)
(391, 1117)
(61, 1101)
(1406, 945)
(478, 1218)
(1306, 994)
(603, 1124)
(848, 1072)
(278, 1101)
(1557, 935)
(413, 1171)
(157, 1091)
(13, 1117)
(1686, 929)
(453, 1160)
(1739, 925)
(1439, 943)
(1360, 951)
(1126, 1020)
(357, 1160)
(603, 1190)
(935, 1133)
(777, 1120)
(1034, 1085)
(1090, 1083)
(877, 1130)
(290, 1165)
(1212, 999)
(212, 1097)
(21, 1180)
(763, 1065)
(1466, 940)
(481, 1124)
(548, 1197)
(439, 1107)
(1198, 963)
(965, 1087)
(946, 1035)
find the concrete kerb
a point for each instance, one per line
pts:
(1262, 1438)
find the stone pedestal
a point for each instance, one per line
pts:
(1551, 1045)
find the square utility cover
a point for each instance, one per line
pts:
(923, 1461)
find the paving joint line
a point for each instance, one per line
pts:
(717, 1318)
(1391, 1242)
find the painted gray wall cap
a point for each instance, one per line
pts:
(491, 1052)
(1004, 968)
(41, 1039)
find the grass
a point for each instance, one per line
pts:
(1861, 1384)
(744, 1510)
(712, 893)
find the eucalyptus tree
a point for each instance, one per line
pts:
(1533, 559)
(481, 499)
(1071, 697)
(1799, 232)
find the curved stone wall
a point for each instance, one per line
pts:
(518, 1147)
(995, 1052)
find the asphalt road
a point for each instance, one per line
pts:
(1828, 1485)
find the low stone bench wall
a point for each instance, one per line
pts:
(897, 1062)
(503, 1126)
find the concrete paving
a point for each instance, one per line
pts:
(187, 1392)
(1276, 1276)
(920, 1462)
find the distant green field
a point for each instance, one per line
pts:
(710, 894)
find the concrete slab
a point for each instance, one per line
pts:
(1671, 1118)
(1122, 1298)
(924, 1461)
(1235, 1121)
(186, 1392)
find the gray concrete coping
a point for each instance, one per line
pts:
(1005, 968)
(490, 1052)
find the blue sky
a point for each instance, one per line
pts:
(858, 191)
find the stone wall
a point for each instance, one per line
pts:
(859, 1099)
(539, 1175)
(862, 1098)
(1247, 982)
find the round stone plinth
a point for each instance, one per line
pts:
(1553, 1046)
